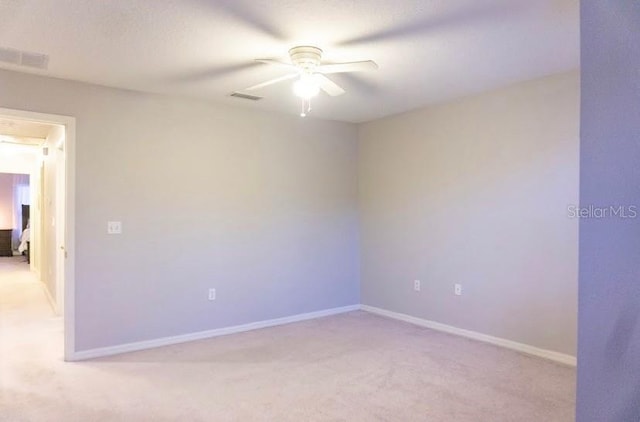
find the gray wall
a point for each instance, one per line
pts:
(609, 347)
(476, 192)
(263, 207)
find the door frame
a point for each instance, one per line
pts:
(68, 285)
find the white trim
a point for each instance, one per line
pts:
(166, 341)
(519, 347)
(70, 193)
(47, 293)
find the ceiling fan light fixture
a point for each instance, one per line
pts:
(306, 87)
(310, 74)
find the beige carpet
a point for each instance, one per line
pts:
(351, 367)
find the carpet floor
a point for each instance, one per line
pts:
(350, 367)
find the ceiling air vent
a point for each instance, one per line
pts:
(23, 58)
(246, 96)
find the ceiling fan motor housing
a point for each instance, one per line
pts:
(306, 57)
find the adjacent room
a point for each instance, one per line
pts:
(319, 211)
(15, 199)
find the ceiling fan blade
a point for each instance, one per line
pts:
(348, 67)
(277, 63)
(328, 86)
(272, 81)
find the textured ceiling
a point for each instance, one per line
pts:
(429, 51)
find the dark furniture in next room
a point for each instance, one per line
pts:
(25, 216)
(5, 242)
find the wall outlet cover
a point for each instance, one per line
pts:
(114, 227)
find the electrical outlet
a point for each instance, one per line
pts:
(416, 285)
(114, 227)
(212, 294)
(457, 289)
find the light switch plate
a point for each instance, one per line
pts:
(114, 227)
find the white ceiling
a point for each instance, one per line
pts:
(20, 143)
(24, 129)
(429, 51)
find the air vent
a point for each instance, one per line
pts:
(23, 58)
(246, 96)
(36, 60)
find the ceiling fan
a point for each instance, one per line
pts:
(306, 65)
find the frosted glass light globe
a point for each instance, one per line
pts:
(306, 87)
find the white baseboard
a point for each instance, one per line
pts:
(519, 347)
(166, 341)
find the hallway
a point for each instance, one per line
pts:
(31, 335)
(27, 320)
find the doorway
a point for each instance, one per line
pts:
(50, 139)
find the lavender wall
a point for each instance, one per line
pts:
(609, 313)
